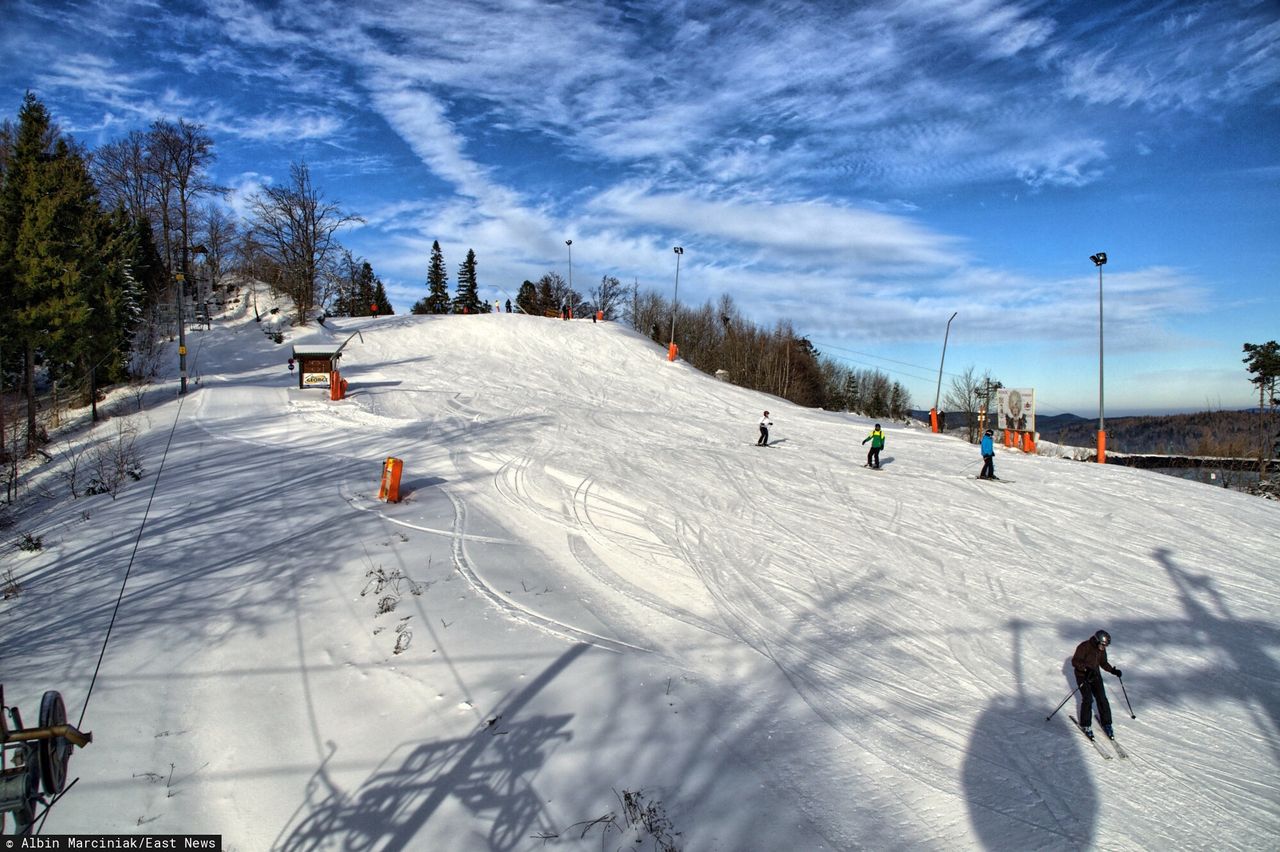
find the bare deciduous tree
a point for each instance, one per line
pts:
(294, 227)
(608, 296)
(218, 232)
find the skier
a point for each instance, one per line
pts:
(765, 423)
(877, 444)
(988, 456)
(1089, 658)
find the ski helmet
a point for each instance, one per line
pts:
(766, 414)
(1103, 638)
(877, 425)
(989, 432)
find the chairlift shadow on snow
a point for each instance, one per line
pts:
(1018, 795)
(1028, 782)
(491, 772)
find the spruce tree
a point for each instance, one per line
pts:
(49, 252)
(527, 299)
(548, 304)
(437, 298)
(365, 293)
(466, 301)
(380, 297)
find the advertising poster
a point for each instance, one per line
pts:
(1016, 409)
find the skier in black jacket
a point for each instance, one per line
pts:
(1088, 661)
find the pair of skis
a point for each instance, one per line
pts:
(1120, 752)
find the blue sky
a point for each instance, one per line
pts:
(860, 169)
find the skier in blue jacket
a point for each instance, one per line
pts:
(988, 456)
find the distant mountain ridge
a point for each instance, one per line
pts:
(1208, 433)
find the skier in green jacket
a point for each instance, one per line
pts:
(877, 444)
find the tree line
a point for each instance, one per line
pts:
(718, 339)
(100, 249)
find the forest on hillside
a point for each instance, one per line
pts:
(1234, 434)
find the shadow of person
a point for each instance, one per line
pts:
(1026, 784)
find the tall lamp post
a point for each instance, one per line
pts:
(933, 415)
(182, 331)
(1099, 260)
(569, 243)
(675, 300)
(182, 297)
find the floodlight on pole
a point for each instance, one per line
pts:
(1099, 260)
(569, 243)
(933, 415)
(675, 300)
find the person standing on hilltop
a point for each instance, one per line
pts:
(765, 423)
(877, 444)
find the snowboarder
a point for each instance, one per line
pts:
(765, 423)
(1088, 660)
(877, 444)
(988, 456)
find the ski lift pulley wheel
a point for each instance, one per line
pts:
(55, 752)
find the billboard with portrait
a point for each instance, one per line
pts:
(1016, 409)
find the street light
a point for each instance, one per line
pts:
(182, 293)
(569, 243)
(1099, 260)
(675, 300)
(933, 415)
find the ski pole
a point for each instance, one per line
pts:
(1126, 698)
(1065, 700)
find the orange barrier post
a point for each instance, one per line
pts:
(1102, 447)
(389, 490)
(1029, 442)
(1008, 438)
(933, 418)
(600, 316)
(673, 352)
(335, 385)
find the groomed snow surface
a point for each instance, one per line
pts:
(595, 584)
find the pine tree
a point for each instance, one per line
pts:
(437, 298)
(380, 297)
(852, 392)
(527, 299)
(365, 293)
(467, 301)
(548, 304)
(52, 260)
(1263, 361)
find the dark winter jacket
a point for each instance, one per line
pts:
(876, 438)
(1090, 655)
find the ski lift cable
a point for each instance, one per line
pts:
(134, 553)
